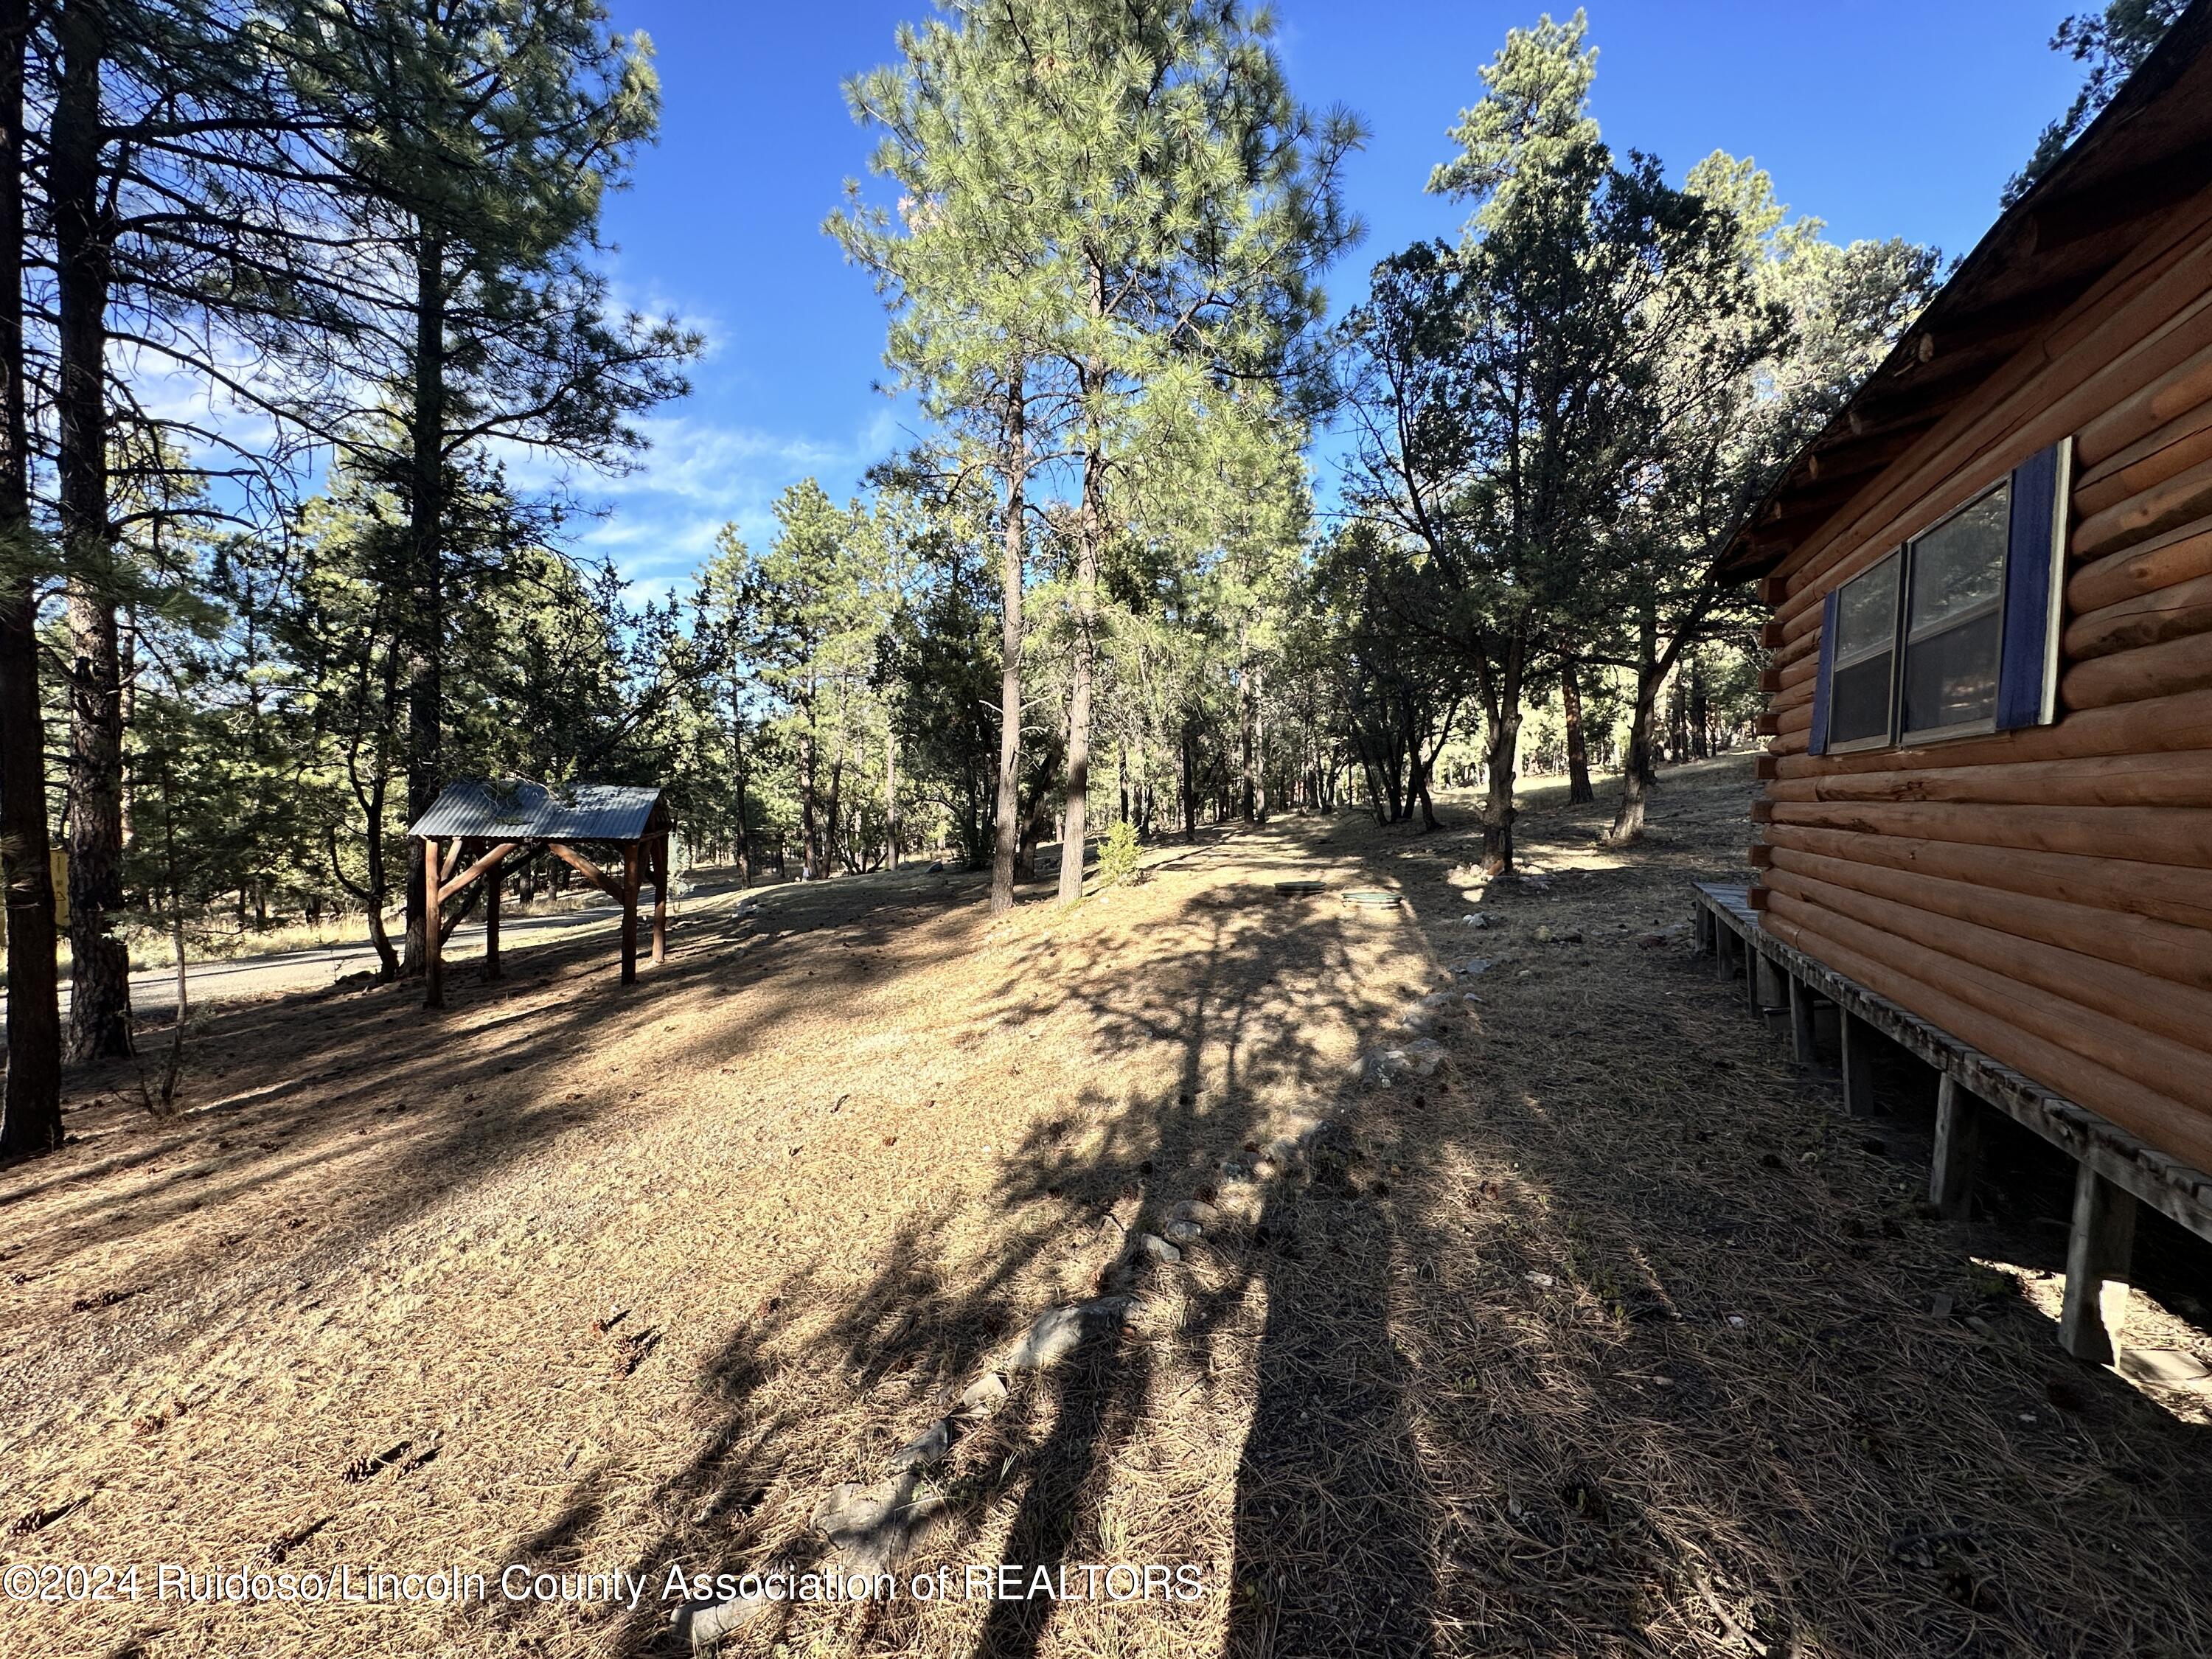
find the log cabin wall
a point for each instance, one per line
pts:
(2043, 894)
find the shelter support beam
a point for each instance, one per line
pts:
(434, 936)
(660, 900)
(630, 913)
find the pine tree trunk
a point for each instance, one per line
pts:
(737, 766)
(1578, 773)
(890, 796)
(1189, 781)
(1007, 826)
(1074, 826)
(31, 1115)
(1502, 756)
(99, 992)
(426, 440)
(809, 828)
(1637, 772)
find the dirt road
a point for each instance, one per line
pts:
(153, 990)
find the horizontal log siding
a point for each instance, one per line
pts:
(2044, 895)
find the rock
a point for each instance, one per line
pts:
(704, 1624)
(2170, 1368)
(1195, 1211)
(1152, 1248)
(983, 1397)
(1058, 1332)
(1474, 918)
(926, 1448)
(936, 867)
(1184, 1232)
(1543, 935)
(875, 1527)
(1473, 966)
(1425, 1056)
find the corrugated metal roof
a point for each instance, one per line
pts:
(520, 811)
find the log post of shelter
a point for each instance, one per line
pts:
(491, 917)
(486, 823)
(629, 914)
(659, 899)
(433, 967)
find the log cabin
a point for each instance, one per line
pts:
(1983, 820)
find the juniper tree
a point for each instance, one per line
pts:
(1507, 389)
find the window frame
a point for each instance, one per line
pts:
(2029, 606)
(1987, 724)
(1838, 662)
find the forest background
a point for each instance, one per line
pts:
(313, 374)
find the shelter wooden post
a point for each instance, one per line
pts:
(630, 913)
(434, 964)
(659, 899)
(2098, 1252)
(1858, 1040)
(1958, 1145)
(491, 921)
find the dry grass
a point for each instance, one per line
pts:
(595, 1278)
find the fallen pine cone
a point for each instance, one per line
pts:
(104, 1299)
(32, 1521)
(630, 1352)
(281, 1547)
(362, 1467)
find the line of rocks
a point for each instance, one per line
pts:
(874, 1527)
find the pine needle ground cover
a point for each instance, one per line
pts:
(1606, 1336)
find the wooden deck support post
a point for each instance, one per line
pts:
(2098, 1252)
(1803, 1048)
(1771, 992)
(659, 899)
(1957, 1150)
(1725, 946)
(630, 913)
(1858, 1042)
(1702, 925)
(433, 961)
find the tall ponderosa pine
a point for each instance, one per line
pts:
(1111, 221)
(30, 1115)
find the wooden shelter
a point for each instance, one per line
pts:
(474, 827)
(1985, 822)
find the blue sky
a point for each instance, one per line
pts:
(1881, 117)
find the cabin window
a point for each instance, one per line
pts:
(1956, 633)
(1954, 579)
(1863, 676)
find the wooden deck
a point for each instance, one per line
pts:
(2114, 1171)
